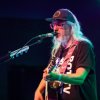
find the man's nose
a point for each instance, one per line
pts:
(55, 28)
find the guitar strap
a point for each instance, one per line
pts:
(67, 58)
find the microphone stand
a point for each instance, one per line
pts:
(11, 54)
(20, 51)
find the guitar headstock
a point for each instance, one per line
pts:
(19, 52)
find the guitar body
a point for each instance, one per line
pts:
(55, 84)
(54, 90)
(52, 94)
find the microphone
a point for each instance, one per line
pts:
(46, 35)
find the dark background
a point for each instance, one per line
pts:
(21, 20)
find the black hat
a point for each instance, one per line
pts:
(62, 14)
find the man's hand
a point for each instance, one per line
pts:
(50, 76)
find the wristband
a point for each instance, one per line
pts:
(59, 78)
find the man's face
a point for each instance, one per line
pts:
(61, 28)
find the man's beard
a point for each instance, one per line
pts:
(57, 43)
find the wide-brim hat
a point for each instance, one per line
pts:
(62, 14)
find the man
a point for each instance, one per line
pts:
(70, 75)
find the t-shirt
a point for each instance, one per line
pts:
(83, 56)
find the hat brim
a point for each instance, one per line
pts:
(49, 19)
(52, 19)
